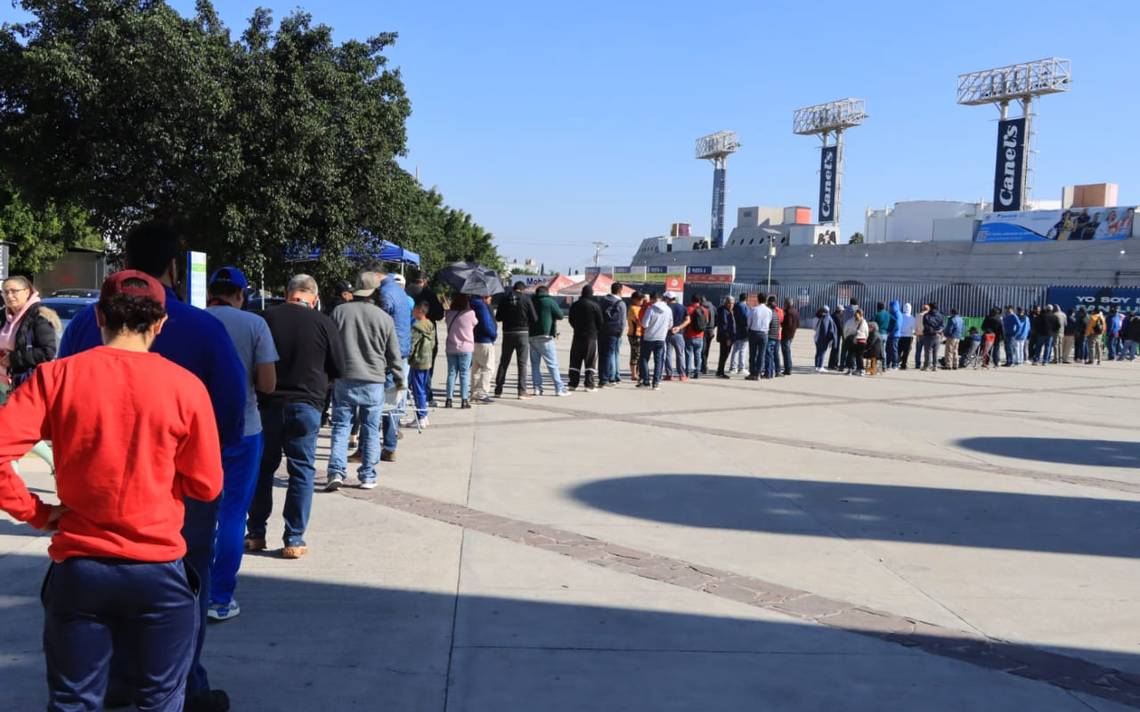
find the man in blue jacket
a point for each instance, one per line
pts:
(198, 342)
(954, 330)
(483, 362)
(892, 332)
(391, 298)
(1010, 325)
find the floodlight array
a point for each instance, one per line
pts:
(832, 116)
(717, 145)
(1017, 81)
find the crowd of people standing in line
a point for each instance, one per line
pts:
(162, 496)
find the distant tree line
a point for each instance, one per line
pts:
(117, 111)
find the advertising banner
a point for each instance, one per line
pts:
(828, 176)
(702, 274)
(196, 279)
(1126, 299)
(592, 272)
(717, 237)
(635, 273)
(674, 283)
(657, 274)
(1061, 225)
(1009, 173)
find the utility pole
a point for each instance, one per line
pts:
(599, 247)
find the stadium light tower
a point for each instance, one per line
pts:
(1000, 86)
(717, 148)
(829, 121)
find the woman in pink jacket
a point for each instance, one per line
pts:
(461, 321)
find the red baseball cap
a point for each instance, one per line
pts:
(127, 282)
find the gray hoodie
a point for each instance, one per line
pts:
(906, 322)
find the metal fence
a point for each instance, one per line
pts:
(968, 299)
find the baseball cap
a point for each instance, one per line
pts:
(229, 276)
(127, 282)
(400, 280)
(365, 284)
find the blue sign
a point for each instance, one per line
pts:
(657, 269)
(1125, 299)
(698, 269)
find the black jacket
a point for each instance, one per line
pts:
(586, 318)
(516, 311)
(992, 325)
(426, 294)
(36, 343)
(1131, 331)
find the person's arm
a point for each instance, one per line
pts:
(198, 460)
(334, 351)
(681, 327)
(531, 312)
(23, 423)
(265, 359)
(599, 321)
(392, 353)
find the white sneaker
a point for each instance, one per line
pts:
(591, 390)
(218, 612)
(423, 423)
(563, 393)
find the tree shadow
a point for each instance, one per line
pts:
(967, 518)
(312, 645)
(1065, 451)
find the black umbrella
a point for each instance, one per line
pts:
(471, 278)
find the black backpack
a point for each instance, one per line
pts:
(1098, 327)
(699, 321)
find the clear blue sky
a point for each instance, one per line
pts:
(557, 124)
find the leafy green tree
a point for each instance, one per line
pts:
(40, 235)
(856, 239)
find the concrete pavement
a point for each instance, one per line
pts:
(917, 541)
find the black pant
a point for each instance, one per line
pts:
(705, 355)
(857, 350)
(147, 613)
(584, 350)
(905, 343)
(757, 352)
(725, 350)
(515, 343)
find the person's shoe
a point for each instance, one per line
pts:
(352, 443)
(423, 423)
(656, 386)
(208, 701)
(696, 376)
(667, 378)
(484, 400)
(641, 385)
(336, 481)
(590, 389)
(464, 404)
(563, 393)
(523, 395)
(684, 378)
(447, 403)
(294, 552)
(752, 378)
(498, 392)
(537, 393)
(369, 484)
(223, 611)
(723, 375)
(387, 455)
(255, 544)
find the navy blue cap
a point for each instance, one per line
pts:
(229, 276)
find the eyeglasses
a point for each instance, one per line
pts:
(15, 291)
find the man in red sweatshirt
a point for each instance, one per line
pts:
(134, 434)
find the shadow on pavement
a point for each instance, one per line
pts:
(1065, 451)
(306, 645)
(968, 518)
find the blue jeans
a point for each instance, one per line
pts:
(656, 349)
(772, 360)
(241, 463)
(821, 348)
(459, 365)
(1045, 349)
(674, 355)
(367, 399)
(610, 347)
(149, 610)
(757, 352)
(1010, 350)
(420, 382)
(694, 349)
(391, 423)
(542, 352)
(289, 429)
(892, 352)
(736, 356)
(1115, 347)
(786, 355)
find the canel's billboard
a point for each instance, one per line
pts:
(1071, 224)
(1009, 173)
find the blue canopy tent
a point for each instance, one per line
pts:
(374, 249)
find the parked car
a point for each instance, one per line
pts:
(76, 292)
(260, 304)
(67, 307)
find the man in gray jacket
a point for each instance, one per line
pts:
(371, 354)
